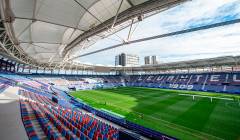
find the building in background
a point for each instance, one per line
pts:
(154, 60)
(151, 60)
(147, 60)
(124, 59)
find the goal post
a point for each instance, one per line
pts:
(210, 97)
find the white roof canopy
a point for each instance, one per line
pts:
(51, 31)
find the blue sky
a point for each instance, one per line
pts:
(222, 41)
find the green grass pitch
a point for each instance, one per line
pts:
(168, 112)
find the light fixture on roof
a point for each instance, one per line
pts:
(140, 18)
(88, 39)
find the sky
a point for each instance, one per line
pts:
(221, 41)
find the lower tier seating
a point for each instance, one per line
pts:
(58, 123)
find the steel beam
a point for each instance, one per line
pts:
(49, 22)
(115, 18)
(164, 35)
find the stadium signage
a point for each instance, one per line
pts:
(214, 78)
(181, 86)
(192, 78)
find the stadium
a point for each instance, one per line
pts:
(119, 69)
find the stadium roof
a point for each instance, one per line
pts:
(48, 33)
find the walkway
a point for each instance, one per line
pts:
(11, 126)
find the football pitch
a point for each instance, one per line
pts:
(170, 112)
